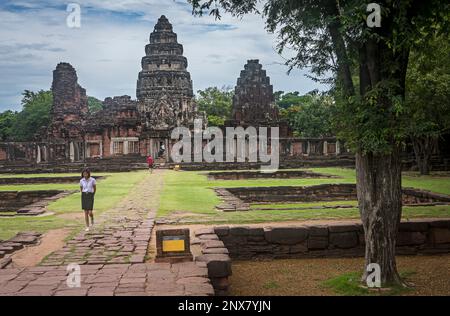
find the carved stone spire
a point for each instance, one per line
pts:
(253, 99)
(164, 87)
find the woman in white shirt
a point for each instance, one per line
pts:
(88, 187)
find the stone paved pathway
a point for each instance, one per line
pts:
(120, 235)
(112, 256)
(154, 279)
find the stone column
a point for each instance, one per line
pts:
(125, 147)
(338, 147)
(167, 149)
(308, 148)
(71, 152)
(88, 149)
(38, 154)
(325, 148)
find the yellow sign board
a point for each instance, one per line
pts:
(173, 244)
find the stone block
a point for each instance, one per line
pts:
(440, 235)
(440, 224)
(286, 235)
(204, 231)
(218, 265)
(222, 230)
(317, 242)
(212, 244)
(344, 228)
(318, 231)
(239, 231)
(416, 226)
(409, 238)
(344, 240)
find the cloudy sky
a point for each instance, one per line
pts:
(107, 50)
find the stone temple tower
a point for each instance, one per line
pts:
(70, 105)
(254, 100)
(164, 87)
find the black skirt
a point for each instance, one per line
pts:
(87, 201)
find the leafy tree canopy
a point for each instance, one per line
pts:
(7, 120)
(35, 114)
(217, 103)
(310, 117)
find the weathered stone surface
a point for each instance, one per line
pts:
(318, 231)
(204, 231)
(239, 231)
(408, 238)
(208, 251)
(344, 240)
(164, 87)
(440, 223)
(298, 248)
(286, 235)
(317, 242)
(218, 265)
(254, 82)
(343, 228)
(221, 230)
(212, 244)
(413, 226)
(209, 237)
(440, 235)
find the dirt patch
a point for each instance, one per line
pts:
(430, 275)
(72, 216)
(51, 241)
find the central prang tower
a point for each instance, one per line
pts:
(164, 88)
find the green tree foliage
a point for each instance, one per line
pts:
(7, 120)
(428, 97)
(310, 116)
(94, 104)
(285, 100)
(217, 103)
(35, 114)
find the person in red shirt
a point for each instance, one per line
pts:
(150, 163)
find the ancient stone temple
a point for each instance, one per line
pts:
(253, 99)
(164, 87)
(68, 115)
(127, 130)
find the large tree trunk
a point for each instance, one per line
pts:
(380, 205)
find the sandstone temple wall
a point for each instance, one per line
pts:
(334, 240)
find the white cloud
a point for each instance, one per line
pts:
(107, 50)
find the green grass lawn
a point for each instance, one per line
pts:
(192, 193)
(109, 192)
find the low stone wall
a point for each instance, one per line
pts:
(288, 163)
(337, 240)
(14, 200)
(325, 192)
(215, 257)
(43, 180)
(281, 174)
(322, 192)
